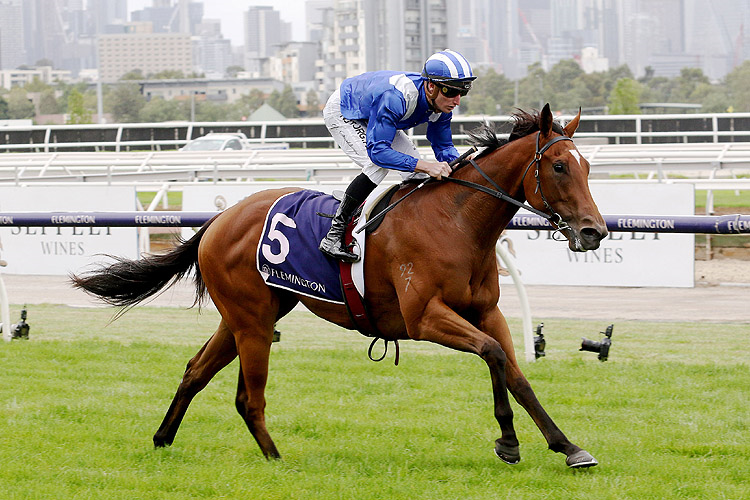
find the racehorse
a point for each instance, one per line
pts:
(445, 234)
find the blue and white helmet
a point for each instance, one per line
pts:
(448, 68)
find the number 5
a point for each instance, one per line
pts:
(276, 235)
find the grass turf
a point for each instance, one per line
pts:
(666, 416)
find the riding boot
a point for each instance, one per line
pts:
(333, 244)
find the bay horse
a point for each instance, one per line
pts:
(445, 234)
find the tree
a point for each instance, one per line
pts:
(562, 93)
(213, 112)
(37, 85)
(4, 115)
(531, 91)
(625, 97)
(590, 90)
(48, 104)
(491, 93)
(232, 71)
(167, 74)
(160, 110)
(284, 102)
(313, 103)
(19, 104)
(615, 74)
(133, 74)
(77, 112)
(125, 102)
(248, 103)
(737, 87)
(687, 83)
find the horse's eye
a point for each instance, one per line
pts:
(559, 167)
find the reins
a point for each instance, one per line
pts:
(390, 207)
(496, 191)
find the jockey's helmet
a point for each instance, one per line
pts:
(448, 68)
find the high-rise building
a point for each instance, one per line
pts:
(504, 38)
(315, 16)
(368, 36)
(12, 50)
(265, 32)
(469, 30)
(106, 13)
(149, 52)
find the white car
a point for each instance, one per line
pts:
(217, 142)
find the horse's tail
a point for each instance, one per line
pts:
(128, 282)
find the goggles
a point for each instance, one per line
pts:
(451, 92)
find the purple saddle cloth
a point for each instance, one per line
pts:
(288, 256)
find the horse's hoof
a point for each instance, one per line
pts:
(581, 459)
(161, 442)
(508, 454)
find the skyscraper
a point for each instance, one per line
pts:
(264, 33)
(12, 51)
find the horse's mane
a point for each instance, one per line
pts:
(524, 123)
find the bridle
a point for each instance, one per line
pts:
(553, 217)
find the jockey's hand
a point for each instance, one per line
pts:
(436, 169)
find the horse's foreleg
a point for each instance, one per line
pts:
(524, 395)
(442, 325)
(217, 353)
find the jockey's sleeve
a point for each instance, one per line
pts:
(381, 129)
(441, 139)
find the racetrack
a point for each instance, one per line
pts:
(722, 293)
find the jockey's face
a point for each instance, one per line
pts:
(442, 103)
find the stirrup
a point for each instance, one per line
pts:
(338, 252)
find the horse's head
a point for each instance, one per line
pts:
(557, 184)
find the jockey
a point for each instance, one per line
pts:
(367, 117)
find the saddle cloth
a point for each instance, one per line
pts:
(288, 256)
(287, 253)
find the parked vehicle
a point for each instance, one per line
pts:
(217, 142)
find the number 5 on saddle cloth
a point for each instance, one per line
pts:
(288, 255)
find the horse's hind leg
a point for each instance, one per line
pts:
(254, 349)
(217, 353)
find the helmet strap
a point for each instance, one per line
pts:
(431, 95)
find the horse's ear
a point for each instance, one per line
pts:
(545, 121)
(572, 125)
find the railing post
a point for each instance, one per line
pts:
(715, 127)
(47, 134)
(4, 306)
(118, 138)
(638, 131)
(528, 336)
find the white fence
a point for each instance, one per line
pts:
(638, 129)
(697, 160)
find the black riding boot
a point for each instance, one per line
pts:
(333, 244)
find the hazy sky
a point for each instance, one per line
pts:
(230, 12)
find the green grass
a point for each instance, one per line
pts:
(666, 416)
(723, 198)
(174, 198)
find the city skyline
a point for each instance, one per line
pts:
(348, 37)
(229, 12)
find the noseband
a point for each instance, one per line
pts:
(555, 218)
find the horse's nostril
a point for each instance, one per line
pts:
(591, 234)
